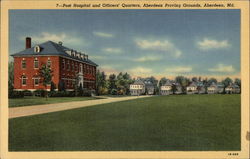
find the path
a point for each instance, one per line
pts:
(47, 108)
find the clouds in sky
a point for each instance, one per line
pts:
(103, 34)
(221, 68)
(179, 69)
(159, 45)
(208, 44)
(64, 37)
(126, 40)
(140, 71)
(112, 50)
(147, 58)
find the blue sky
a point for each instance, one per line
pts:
(141, 42)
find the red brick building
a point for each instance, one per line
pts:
(66, 64)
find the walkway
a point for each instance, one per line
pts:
(47, 108)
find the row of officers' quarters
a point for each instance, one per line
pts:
(141, 87)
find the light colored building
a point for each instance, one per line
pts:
(178, 88)
(150, 89)
(201, 88)
(192, 88)
(232, 88)
(212, 89)
(137, 88)
(166, 89)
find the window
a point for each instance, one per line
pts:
(68, 66)
(36, 65)
(80, 68)
(76, 68)
(36, 81)
(23, 64)
(37, 49)
(49, 63)
(73, 66)
(24, 80)
(63, 64)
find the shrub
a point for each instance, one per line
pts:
(16, 94)
(113, 92)
(62, 94)
(39, 92)
(27, 93)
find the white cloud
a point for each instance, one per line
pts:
(65, 38)
(112, 50)
(207, 44)
(140, 71)
(179, 69)
(159, 45)
(102, 34)
(147, 58)
(221, 68)
(96, 57)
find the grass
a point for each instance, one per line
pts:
(161, 123)
(26, 101)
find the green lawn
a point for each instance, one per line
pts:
(181, 123)
(17, 102)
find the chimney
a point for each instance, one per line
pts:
(28, 42)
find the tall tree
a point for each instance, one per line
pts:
(112, 83)
(237, 81)
(163, 81)
(194, 79)
(212, 80)
(226, 82)
(11, 77)
(46, 75)
(101, 83)
(183, 81)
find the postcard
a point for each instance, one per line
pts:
(124, 79)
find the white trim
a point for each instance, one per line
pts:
(57, 56)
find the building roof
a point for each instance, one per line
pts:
(52, 48)
(168, 83)
(138, 82)
(193, 84)
(213, 84)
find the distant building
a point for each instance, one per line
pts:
(149, 88)
(232, 88)
(166, 89)
(178, 88)
(192, 88)
(137, 88)
(212, 89)
(220, 87)
(201, 88)
(66, 64)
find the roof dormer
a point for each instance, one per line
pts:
(37, 49)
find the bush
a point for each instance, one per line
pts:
(16, 94)
(39, 92)
(61, 94)
(113, 92)
(27, 93)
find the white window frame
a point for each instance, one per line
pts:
(23, 62)
(22, 79)
(36, 62)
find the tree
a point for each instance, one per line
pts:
(237, 81)
(194, 79)
(163, 81)
(174, 88)
(212, 80)
(46, 75)
(205, 83)
(183, 81)
(11, 77)
(112, 84)
(226, 82)
(101, 83)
